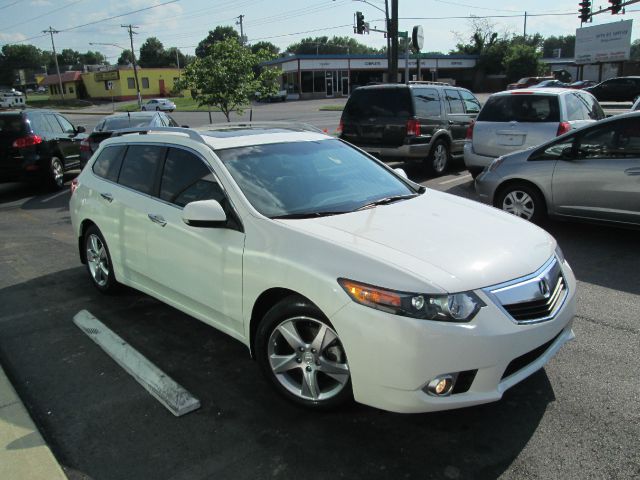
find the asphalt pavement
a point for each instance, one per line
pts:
(578, 418)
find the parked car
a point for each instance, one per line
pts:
(157, 104)
(592, 174)
(518, 119)
(38, 146)
(620, 89)
(281, 96)
(340, 276)
(582, 84)
(526, 82)
(420, 122)
(550, 84)
(118, 121)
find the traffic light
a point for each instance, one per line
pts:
(615, 6)
(584, 10)
(359, 23)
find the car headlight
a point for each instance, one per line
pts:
(560, 255)
(454, 307)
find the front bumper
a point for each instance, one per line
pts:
(393, 358)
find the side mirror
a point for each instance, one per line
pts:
(80, 129)
(401, 172)
(205, 214)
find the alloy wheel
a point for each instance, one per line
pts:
(519, 203)
(440, 158)
(307, 358)
(57, 173)
(97, 260)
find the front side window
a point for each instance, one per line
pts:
(310, 178)
(427, 102)
(619, 139)
(575, 108)
(187, 179)
(108, 163)
(139, 167)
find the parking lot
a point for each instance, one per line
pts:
(578, 418)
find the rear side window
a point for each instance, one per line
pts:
(427, 102)
(187, 179)
(12, 125)
(594, 110)
(521, 108)
(38, 124)
(471, 103)
(108, 163)
(454, 102)
(576, 109)
(140, 166)
(53, 124)
(379, 102)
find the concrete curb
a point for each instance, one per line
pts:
(23, 451)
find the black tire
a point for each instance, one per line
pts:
(298, 315)
(157, 109)
(522, 200)
(110, 284)
(475, 172)
(55, 179)
(144, 109)
(439, 158)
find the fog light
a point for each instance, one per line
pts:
(440, 386)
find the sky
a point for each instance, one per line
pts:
(183, 23)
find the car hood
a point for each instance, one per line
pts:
(449, 242)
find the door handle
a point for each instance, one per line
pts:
(159, 219)
(107, 196)
(632, 171)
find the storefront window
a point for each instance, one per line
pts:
(307, 82)
(318, 81)
(292, 82)
(131, 83)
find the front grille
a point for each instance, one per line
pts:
(538, 309)
(528, 358)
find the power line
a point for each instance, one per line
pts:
(8, 5)
(43, 15)
(299, 33)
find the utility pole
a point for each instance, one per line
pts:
(525, 26)
(239, 22)
(133, 56)
(51, 31)
(393, 66)
(178, 63)
(387, 27)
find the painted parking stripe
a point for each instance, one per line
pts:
(44, 200)
(169, 393)
(457, 179)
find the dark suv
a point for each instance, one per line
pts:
(620, 89)
(38, 145)
(421, 121)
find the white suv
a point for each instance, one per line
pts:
(342, 277)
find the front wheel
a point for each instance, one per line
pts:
(99, 261)
(438, 159)
(56, 173)
(522, 200)
(302, 355)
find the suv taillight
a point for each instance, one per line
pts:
(27, 141)
(74, 185)
(470, 130)
(340, 127)
(413, 127)
(85, 146)
(564, 127)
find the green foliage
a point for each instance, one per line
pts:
(152, 53)
(226, 76)
(522, 61)
(330, 46)
(635, 49)
(220, 33)
(566, 44)
(15, 57)
(92, 58)
(268, 46)
(125, 58)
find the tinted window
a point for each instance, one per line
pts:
(140, 166)
(187, 179)
(576, 109)
(521, 108)
(54, 126)
(593, 108)
(555, 151)
(12, 125)
(118, 123)
(107, 165)
(471, 103)
(66, 125)
(427, 102)
(454, 102)
(38, 123)
(380, 102)
(612, 140)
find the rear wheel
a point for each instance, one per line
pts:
(302, 355)
(522, 200)
(438, 159)
(144, 109)
(99, 261)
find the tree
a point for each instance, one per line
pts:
(170, 58)
(522, 61)
(152, 53)
(483, 36)
(92, 58)
(68, 57)
(635, 49)
(328, 46)
(566, 44)
(125, 58)
(225, 77)
(14, 57)
(268, 46)
(220, 33)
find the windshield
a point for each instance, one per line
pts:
(321, 177)
(521, 108)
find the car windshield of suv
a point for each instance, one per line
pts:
(125, 122)
(379, 102)
(11, 125)
(307, 179)
(521, 108)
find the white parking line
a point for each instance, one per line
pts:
(457, 179)
(62, 192)
(173, 396)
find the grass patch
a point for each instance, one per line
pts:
(183, 104)
(43, 101)
(331, 108)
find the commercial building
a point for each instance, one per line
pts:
(72, 86)
(320, 76)
(119, 82)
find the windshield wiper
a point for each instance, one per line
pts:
(386, 201)
(308, 215)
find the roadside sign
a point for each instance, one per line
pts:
(109, 85)
(417, 38)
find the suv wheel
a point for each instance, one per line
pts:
(522, 200)
(56, 173)
(438, 159)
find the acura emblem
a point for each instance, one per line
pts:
(544, 288)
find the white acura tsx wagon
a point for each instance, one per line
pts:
(343, 278)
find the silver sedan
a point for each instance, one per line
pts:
(592, 174)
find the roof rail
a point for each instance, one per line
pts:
(192, 134)
(272, 124)
(427, 82)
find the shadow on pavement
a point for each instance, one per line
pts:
(100, 422)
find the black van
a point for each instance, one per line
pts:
(421, 121)
(38, 145)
